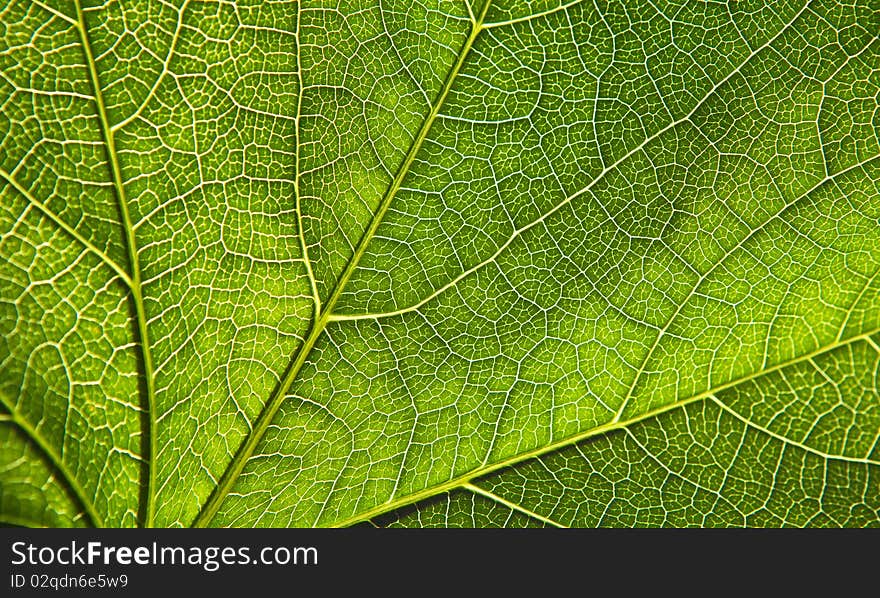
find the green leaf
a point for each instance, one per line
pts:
(502, 263)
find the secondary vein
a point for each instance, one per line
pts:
(466, 479)
(88, 506)
(511, 505)
(66, 227)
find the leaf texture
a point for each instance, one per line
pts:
(502, 263)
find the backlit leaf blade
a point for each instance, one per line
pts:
(299, 263)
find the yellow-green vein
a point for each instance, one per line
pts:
(511, 505)
(134, 264)
(66, 227)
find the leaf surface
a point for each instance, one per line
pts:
(502, 263)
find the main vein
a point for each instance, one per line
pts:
(323, 315)
(131, 248)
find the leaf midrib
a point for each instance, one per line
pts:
(270, 410)
(135, 278)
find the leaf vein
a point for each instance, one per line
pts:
(512, 505)
(131, 247)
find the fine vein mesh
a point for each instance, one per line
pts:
(657, 218)
(371, 72)
(207, 145)
(32, 495)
